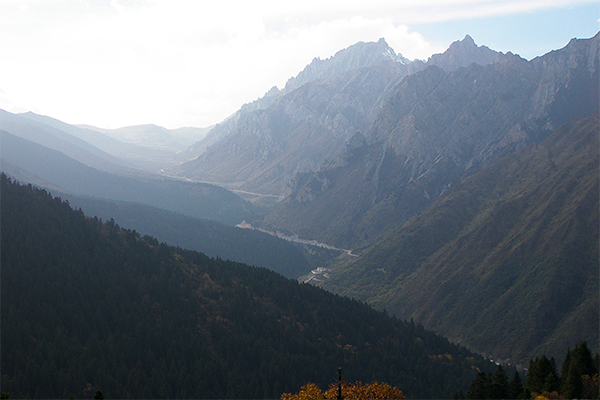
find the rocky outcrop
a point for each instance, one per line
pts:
(436, 128)
(357, 56)
(463, 53)
(306, 124)
(260, 149)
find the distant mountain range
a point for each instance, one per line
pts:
(359, 153)
(146, 147)
(61, 137)
(50, 168)
(195, 216)
(263, 146)
(464, 187)
(436, 128)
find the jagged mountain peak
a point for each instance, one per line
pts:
(358, 55)
(466, 43)
(447, 125)
(467, 40)
(463, 53)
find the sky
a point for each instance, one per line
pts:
(175, 63)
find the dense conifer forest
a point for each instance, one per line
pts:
(88, 306)
(578, 379)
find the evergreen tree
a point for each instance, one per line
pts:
(583, 358)
(532, 381)
(578, 362)
(564, 371)
(515, 387)
(573, 384)
(499, 384)
(480, 388)
(552, 381)
(542, 375)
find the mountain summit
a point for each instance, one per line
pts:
(436, 128)
(297, 129)
(359, 55)
(463, 53)
(266, 143)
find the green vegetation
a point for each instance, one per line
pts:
(578, 379)
(506, 261)
(88, 306)
(494, 386)
(214, 239)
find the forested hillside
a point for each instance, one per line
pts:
(248, 246)
(87, 305)
(576, 379)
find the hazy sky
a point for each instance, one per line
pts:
(114, 63)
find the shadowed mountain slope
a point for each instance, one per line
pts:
(505, 261)
(247, 246)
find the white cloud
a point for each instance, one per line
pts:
(180, 62)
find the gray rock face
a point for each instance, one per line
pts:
(357, 56)
(462, 54)
(298, 128)
(267, 142)
(264, 149)
(436, 128)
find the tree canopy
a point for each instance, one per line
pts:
(89, 306)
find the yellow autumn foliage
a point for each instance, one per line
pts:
(546, 395)
(357, 391)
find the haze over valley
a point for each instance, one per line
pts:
(414, 222)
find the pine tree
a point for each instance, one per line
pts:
(515, 387)
(573, 384)
(552, 381)
(583, 357)
(499, 384)
(480, 388)
(564, 371)
(578, 362)
(542, 375)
